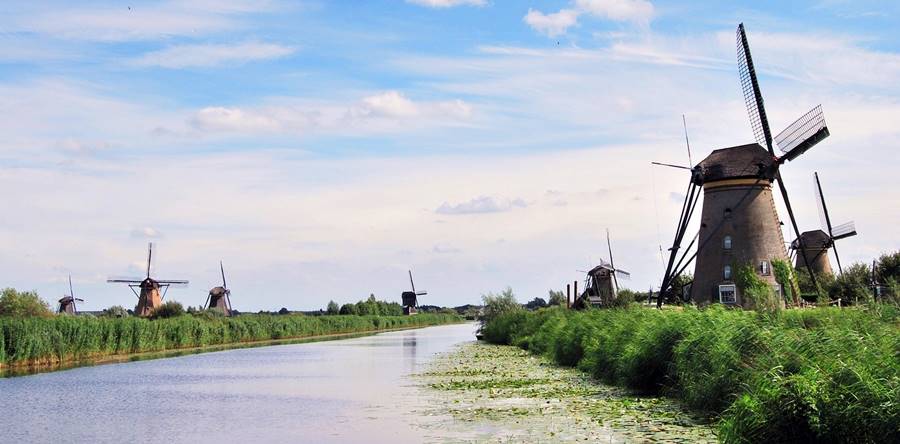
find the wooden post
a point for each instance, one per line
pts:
(568, 295)
(575, 293)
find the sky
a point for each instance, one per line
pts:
(322, 149)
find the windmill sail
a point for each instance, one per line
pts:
(752, 95)
(803, 134)
(843, 230)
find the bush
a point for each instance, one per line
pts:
(333, 308)
(812, 375)
(116, 311)
(556, 297)
(168, 309)
(22, 304)
(498, 304)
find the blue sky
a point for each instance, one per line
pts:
(323, 148)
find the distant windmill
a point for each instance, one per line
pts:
(149, 298)
(601, 286)
(67, 303)
(219, 297)
(739, 224)
(818, 242)
(410, 298)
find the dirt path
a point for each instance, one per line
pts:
(490, 393)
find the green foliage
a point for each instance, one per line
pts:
(333, 308)
(755, 292)
(169, 309)
(888, 267)
(69, 338)
(812, 375)
(784, 275)
(852, 286)
(536, 303)
(348, 309)
(625, 297)
(498, 304)
(22, 304)
(116, 311)
(556, 297)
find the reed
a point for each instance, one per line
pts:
(31, 341)
(825, 374)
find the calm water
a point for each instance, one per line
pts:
(352, 390)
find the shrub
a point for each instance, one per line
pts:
(556, 297)
(116, 311)
(168, 309)
(22, 304)
(333, 308)
(498, 304)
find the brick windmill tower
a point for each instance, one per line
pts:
(739, 224)
(149, 297)
(67, 303)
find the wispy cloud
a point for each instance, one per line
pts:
(208, 55)
(481, 205)
(551, 24)
(638, 12)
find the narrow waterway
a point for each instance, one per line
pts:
(350, 390)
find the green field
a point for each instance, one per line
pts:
(59, 339)
(812, 375)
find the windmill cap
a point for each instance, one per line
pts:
(217, 291)
(737, 162)
(812, 239)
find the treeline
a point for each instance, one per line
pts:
(50, 340)
(368, 307)
(813, 375)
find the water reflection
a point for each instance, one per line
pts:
(354, 390)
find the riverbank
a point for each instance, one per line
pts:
(824, 374)
(496, 393)
(49, 343)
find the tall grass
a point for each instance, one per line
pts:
(69, 338)
(826, 374)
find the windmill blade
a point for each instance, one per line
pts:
(803, 134)
(71, 291)
(124, 281)
(824, 220)
(844, 230)
(222, 267)
(670, 165)
(174, 283)
(149, 257)
(78, 299)
(413, 284)
(623, 274)
(206, 303)
(687, 141)
(759, 122)
(421, 293)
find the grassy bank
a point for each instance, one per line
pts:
(828, 374)
(60, 339)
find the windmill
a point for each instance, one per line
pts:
(410, 298)
(67, 303)
(149, 297)
(818, 242)
(219, 297)
(739, 224)
(601, 286)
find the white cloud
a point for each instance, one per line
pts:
(481, 205)
(635, 11)
(184, 56)
(391, 104)
(145, 233)
(217, 118)
(446, 3)
(551, 24)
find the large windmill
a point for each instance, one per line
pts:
(410, 298)
(816, 243)
(149, 297)
(601, 286)
(67, 303)
(739, 224)
(219, 297)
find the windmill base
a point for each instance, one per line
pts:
(409, 311)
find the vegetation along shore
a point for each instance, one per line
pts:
(809, 375)
(43, 341)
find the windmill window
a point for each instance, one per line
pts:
(764, 268)
(727, 294)
(728, 212)
(726, 273)
(726, 242)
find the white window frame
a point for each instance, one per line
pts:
(726, 273)
(726, 242)
(725, 288)
(764, 268)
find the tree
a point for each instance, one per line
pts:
(498, 304)
(283, 311)
(536, 303)
(116, 311)
(852, 286)
(333, 308)
(557, 297)
(169, 309)
(888, 267)
(348, 309)
(22, 304)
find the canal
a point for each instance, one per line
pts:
(349, 390)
